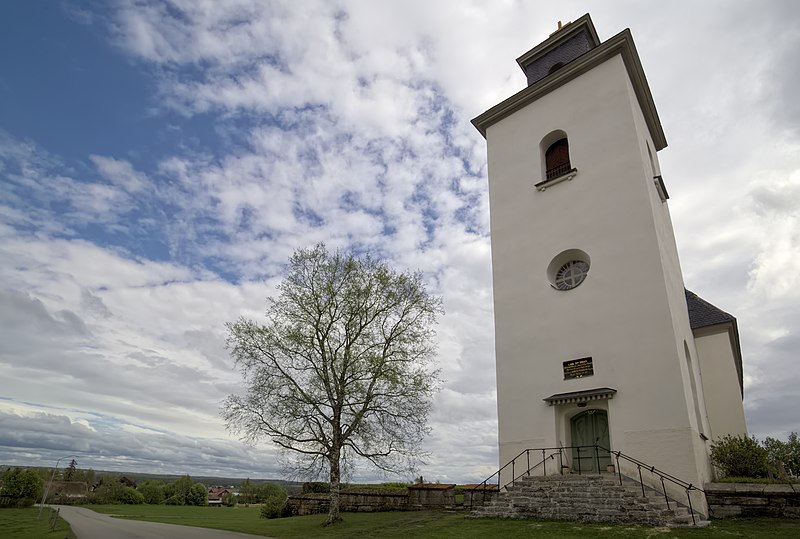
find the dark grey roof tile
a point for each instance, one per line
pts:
(703, 314)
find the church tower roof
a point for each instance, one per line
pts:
(568, 53)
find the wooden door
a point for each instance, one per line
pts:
(590, 429)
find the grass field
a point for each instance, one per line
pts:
(436, 524)
(24, 524)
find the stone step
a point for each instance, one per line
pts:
(595, 498)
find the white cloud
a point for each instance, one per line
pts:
(351, 124)
(53, 198)
(120, 172)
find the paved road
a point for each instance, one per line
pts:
(87, 524)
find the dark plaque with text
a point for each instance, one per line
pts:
(578, 368)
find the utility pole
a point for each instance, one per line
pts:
(49, 483)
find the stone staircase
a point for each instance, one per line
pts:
(587, 498)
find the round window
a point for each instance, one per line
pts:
(571, 274)
(568, 269)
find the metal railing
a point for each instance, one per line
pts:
(558, 170)
(663, 478)
(598, 452)
(546, 453)
(54, 518)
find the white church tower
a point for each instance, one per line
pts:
(594, 342)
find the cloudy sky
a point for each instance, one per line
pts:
(159, 162)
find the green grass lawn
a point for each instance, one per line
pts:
(24, 524)
(435, 524)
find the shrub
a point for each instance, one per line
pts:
(153, 491)
(740, 457)
(23, 503)
(131, 496)
(22, 487)
(176, 491)
(197, 495)
(110, 491)
(275, 506)
(784, 457)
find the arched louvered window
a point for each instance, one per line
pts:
(557, 159)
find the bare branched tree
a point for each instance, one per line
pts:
(342, 369)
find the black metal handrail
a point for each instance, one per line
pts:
(547, 453)
(662, 475)
(559, 451)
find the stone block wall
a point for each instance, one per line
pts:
(479, 494)
(753, 500)
(432, 495)
(311, 504)
(308, 504)
(427, 496)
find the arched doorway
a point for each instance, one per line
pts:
(590, 428)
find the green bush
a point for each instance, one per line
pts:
(110, 491)
(175, 492)
(21, 487)
(152, 490)
(784, 457)
(275, 506)
(740, 457)
(131, 496)
(197, 495)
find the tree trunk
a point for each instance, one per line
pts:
(333, 512)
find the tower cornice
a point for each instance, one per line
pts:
(621, 44)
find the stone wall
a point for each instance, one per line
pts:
(431, 495)
(427, 496)
(753, 500)
(311, 504)
(479, 494)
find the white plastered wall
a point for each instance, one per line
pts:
(624, 314)
(720, 384)
(693, 393)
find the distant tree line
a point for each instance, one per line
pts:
(182, 491)
(23, 487)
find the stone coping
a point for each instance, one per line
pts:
(432, 486)
(753, 488)
(327, 495)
